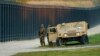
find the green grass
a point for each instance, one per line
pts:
(79, 52)
(94, 39)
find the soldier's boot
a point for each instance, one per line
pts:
(43, 43)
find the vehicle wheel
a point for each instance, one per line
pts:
(87, 39)
(59, 41)
(50, 44)
(84, 39)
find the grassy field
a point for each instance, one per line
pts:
(79, 52)
(94, 40)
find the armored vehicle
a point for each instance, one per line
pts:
(65, 32)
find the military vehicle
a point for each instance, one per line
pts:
(65, 32)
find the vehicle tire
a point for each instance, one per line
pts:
(84, 39)
(59, 42)
(87, 39)
(50, 44)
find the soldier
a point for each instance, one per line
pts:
(42, 33)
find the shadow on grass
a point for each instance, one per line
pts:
(73, 44)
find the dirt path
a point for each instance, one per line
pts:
(13, 47)
(59, 48)
(94, 30)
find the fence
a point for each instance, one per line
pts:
(22, 22)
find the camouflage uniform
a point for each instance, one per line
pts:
(42, 35)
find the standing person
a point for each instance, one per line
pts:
(42, 33)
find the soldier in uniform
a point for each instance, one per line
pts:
(42, 33)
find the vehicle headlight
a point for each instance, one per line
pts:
(78, 33)
(65, 35)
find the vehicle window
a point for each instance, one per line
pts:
(53, 30)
